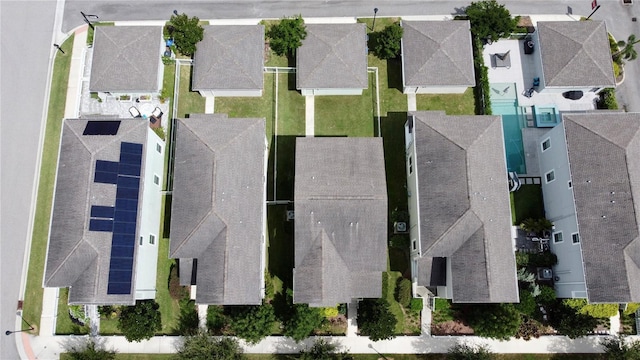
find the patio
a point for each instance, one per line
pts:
(522, 70)
(112, 106)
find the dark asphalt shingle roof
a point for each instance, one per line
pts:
(126, 58)
(605, 172)
(333, 56)
(230, 57)
(575, 53)
(437, 53)
(76, 257)
(463, 201)
(218, 206)
(340, 220)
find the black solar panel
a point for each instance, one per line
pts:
(101, 128)
(131, 148)
(128, 182)
(126, 240)
(128, 169)
(119, 288)
(122, 251)
(124, 228)
(127, 204)
(121, 263)
(132, 159)
(126, 216)
(106, 212)
(105, 177)
(100, 225)
(107, 166)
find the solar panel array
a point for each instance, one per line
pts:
(120, 219)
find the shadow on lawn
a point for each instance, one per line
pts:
(394, 74)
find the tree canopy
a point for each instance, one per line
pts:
(618, 348)
(376, 320)
(301, 319)
(496, 321)
(570, 322)
(186, 33)
(287, 35)
(251, 323)
(387, 42)
(627, 49)
(140, 322)
(489, 20)
(600, 311)
(469, 352)
(204, 347)
(89, 350)
(322, 350)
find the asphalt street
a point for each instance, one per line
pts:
(26, 28)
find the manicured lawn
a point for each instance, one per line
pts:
(280, 245)
(169, 307)
(64, 324)
(389, 280)
(109, 327)
(189, 102)
(168, 85)
(33, 294)
(442, 311)
(452, 104)
(90, 30)
(527, 203)
(394, 160)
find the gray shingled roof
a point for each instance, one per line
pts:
(437, 53)
(605, 172)
(76, 257)
(333, 56)
(218, 205)
(230, 57)
(575, 53)
(341, 220)
(126, 58)
(464, 204)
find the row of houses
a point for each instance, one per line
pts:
(104, 242)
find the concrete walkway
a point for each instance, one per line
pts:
(209, 104)
(411, 102)
(352, 318)
(74, 90)
(309, 115)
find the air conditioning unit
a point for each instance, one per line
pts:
(545, 274)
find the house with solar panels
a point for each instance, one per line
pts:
(218, 209)
(103, 241)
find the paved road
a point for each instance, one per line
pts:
(26, 30)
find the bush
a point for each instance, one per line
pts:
(140, 322)
(176, 291)
(387, 44)
(598, 311)
(527, 305)
(188, 321)
(216, 320)
(108, 311)
(631, 308)
(529, 329)
(342, 309)
(330, 312)
(545, 259)
(376, 320)
(399, 241)
(76, 312)
(522, 259)
(287, 35)
(416, 305)
(403, 292)
(496, 321)
(481, 90)
(251, 323)
(269, 290)
(547, 295)
(607, 100)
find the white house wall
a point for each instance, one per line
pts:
(147, 253)
(435, 90)
(414, 219)
(560, 209)
(231, 93)
(306, 92)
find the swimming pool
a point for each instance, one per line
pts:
(505, 103)
(546, 116)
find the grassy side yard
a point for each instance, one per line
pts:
(60, 78)
(189, 102)
(452, 104)
(168, 84)
(169, 307)
(64, 324)
(527, 203)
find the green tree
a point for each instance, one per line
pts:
(322, 350)
(403, 292)
(376, 320)
(251, 323)
(627, 49)
(618, 348)
(201, 346)
(527, 305)
(547, 295)
(387, 43)
(489, 20)
(287, 35)
(89, 350)
(496, 321)
(186, 33)
(600, 311)
(470, 352)
(140, 322)
(568, 321)
(188, 321)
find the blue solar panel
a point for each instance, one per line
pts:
(128, 182)
(128, 240)
(107, 166)
(119, 288)
(133, 159)
(125, 193)
(121, 251)
(131, 148)
(124, 228)
(129, 169)
(120, 275)
(105, 177)
(102, 211)
(121, 263)
(100, 225)
(126, 216)
(126, 204)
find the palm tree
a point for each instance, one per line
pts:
(627, 50)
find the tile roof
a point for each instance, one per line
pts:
(76, 257)
(126, 58)
(463, 202)
(575, 53)
(437, 53)
(605, 172)
(333, 56)
(230, 57)
(341, 220)
(218, 206)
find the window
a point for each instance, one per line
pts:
(141, 240)
(550, 176)
(156, 179)
(546, 144)
(152, 239)
(159, 148)
(570, 184)
(410, 165)
(557, 237)
(575, 238)
(414, 245)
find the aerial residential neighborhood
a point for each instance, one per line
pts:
(417, 185)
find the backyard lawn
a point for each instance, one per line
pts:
(64, 324)
(33, 294)
(452, 104)
(189, 102)
(527, 203)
